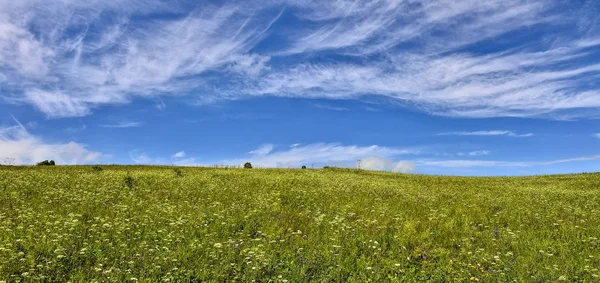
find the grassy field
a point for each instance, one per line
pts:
(154, 224)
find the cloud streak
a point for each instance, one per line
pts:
(332, 108)
(474, 153)
(139, 156)
(262, 151)
(495, 163)
(123, 125)
(487, 133)
(180, 154)
(360, 27)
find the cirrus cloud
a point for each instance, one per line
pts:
(487, 133)
(66, 58)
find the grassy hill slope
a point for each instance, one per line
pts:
(128, 223)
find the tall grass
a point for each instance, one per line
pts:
(203, 224)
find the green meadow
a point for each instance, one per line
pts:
(169, 224)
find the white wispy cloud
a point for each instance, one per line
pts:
(474, 153)
(597, 135)
(56, 103)
(180, 154)
(365, 27)
(319, 153)
(181, 160)
(123, 125)
(478, 153)
(496, 163)
(81, 60)
(523, 84)
(262, 150)
(355, 23)
(73, 130)
(487, 133)
(64, 59)
(191, 161)
(438, 76)
(329, 107)
(161, 106)
(17, 144)
(140, 157)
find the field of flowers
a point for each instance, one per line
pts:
(152, 224)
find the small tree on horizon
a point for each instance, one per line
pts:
(248, 165)
(46, 163)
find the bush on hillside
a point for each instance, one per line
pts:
(129, 181)
(248, 165)
(178, 172)
(46, 163)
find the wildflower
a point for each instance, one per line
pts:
(218, 245)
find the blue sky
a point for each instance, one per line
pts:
(493, 87)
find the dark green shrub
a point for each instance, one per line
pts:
(129, 181)
(46, 163)
(178, 172)
(247, 165)
(303, 166)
